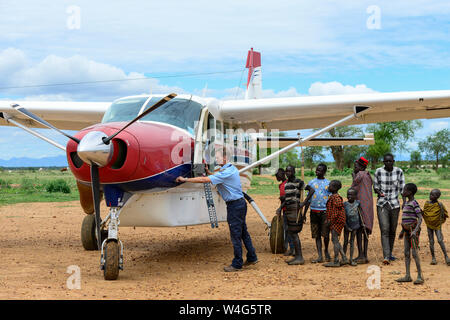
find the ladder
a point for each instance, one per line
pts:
(211, 207)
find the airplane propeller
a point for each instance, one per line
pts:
(95, 150)
(31, 115)
(95, 180)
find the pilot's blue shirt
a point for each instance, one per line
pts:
(228, 182)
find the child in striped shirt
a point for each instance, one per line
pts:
(411, 220)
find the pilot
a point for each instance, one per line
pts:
(229, 187)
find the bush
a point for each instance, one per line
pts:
(27, 184)
(310, 173)
(343, 172)
(444, 174)
(5, 184)
(58, 185)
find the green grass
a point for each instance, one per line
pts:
(425, 181)
(20, 186)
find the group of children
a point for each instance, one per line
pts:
(330, 214)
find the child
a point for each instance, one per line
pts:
(293, 213)
(318, 192)
(336, 218)
(435, 214)
(281, 177)
(352, 222)
(411, 220)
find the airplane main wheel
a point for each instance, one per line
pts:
(276, 237)
(89, 233)
(111, 256)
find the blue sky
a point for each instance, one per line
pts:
(308, 48)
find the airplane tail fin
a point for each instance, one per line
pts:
(254, 80)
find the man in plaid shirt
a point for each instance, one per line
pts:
(388, 184)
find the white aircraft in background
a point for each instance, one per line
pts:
(131, 150)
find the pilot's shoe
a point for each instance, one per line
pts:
(250, 263)
(230, 269)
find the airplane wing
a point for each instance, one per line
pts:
(318, 111)
(281, 142)
(281, 113)
(65, 115)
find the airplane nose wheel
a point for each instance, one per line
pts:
(112, 259)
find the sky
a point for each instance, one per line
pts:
(308, 48)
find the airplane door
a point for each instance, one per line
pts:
(209, 138)
(214, 141)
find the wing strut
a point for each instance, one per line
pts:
(10, 119)
(357, 110)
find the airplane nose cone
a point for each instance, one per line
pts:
(92, 149)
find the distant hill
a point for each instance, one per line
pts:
(58, 161)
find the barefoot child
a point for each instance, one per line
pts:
(411, 220)
(352, 222)
(435, 214)
(336, 218)
(281, 177)
(318, 188)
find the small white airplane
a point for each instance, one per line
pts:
(132, 150)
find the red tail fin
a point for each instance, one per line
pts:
(254, 79)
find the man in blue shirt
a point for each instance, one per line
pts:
(229, 187)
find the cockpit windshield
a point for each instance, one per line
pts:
(124, 109)
(182, 113)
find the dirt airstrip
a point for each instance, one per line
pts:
(40, 241)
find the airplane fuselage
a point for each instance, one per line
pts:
(148, 156)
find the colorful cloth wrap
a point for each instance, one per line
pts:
(434, 215)
(363, 183)
(408, 228)
(336, 213)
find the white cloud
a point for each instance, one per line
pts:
(75, 69)
(334, 87)
(12, 60)
(440, 125)
(174, 35)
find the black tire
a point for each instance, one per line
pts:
(276, 237)
(88, 233)
(111, 256)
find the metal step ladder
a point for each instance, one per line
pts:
(211, 207)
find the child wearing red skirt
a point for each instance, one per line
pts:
(336, 219)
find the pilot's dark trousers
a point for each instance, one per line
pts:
(236, 214)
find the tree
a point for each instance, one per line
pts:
(436, 145)
(312, 155)
(390, 137)
(415, 159)
(445, 159)
(290, 158)
(345, 155)
(352, 153)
